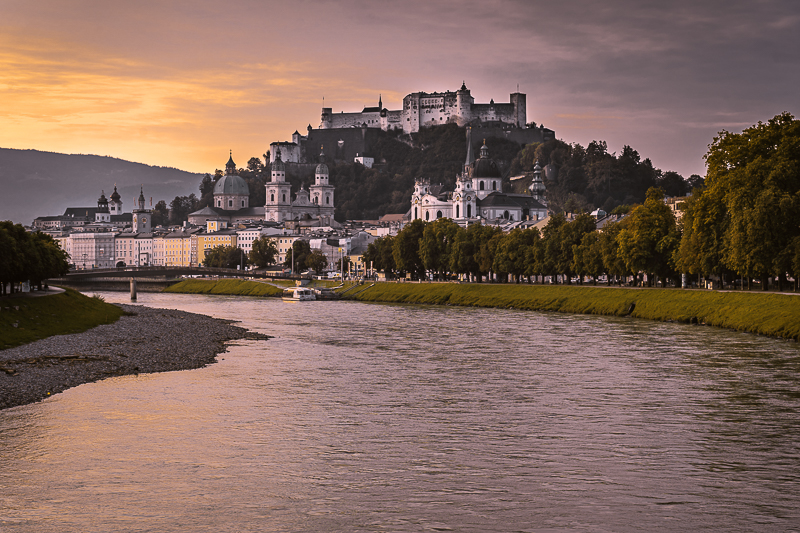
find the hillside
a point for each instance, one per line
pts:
(39, 183)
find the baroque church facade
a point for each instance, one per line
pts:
(231, 198)
(478, 195)
(315, 202)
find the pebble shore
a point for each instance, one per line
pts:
(144, 341)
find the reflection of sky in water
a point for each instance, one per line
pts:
(402, 418)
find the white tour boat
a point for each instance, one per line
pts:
(298, 294)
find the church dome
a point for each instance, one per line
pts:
(322, 168)
(115, 195)
(231, 184)
(486, 167)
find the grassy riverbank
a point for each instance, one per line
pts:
(238, 287)
(45, 316)
(776, 315)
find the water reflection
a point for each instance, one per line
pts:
(399, 418)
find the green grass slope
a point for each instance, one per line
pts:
(775, 315)
(225, 286)
(45, 316)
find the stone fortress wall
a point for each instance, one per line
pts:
(423, 109)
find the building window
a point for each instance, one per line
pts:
(271, 197)
(438, 214)
(457, 210)
(469, 211)
(427, 215)
(494, 185)
(230, 203)
(481, 185)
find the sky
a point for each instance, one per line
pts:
(180, 83)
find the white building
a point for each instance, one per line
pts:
(477, 196)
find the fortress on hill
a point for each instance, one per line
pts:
(345, 136)
(431, 109)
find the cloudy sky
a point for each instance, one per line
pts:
(179, 83)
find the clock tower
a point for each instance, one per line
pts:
(141, 216)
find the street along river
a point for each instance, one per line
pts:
(359, 417)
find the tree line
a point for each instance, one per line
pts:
(25, 256)
(743, 224)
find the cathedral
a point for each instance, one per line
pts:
(314, 202)
(478, 195)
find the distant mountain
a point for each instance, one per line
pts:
(38, 183)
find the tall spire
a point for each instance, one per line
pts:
(380, 102)
(470, 155)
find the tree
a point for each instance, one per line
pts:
(160, 215)
(649, 237)
(405, 249)
(225, 257)
(745, 218)
(254, 165)
(316, 261)
(264, 252)
(297, 255)
(436, 245)
(180, 207)
(587, 257)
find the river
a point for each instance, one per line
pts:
(368, 417)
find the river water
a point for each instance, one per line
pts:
(366, 417)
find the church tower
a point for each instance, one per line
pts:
(278, 206)
(115, 205)
(537, 186)
(102, 214)
(322, 191)
(141, 216)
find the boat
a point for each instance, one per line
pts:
(298, 294)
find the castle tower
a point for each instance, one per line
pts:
(141, 216)
(520, 111)
(464, 101)
(321, 193)
(278, 206)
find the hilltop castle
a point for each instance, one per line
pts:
(346, 136)
(431, 109)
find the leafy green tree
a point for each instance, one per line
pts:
(570, 235)
(588, 256)
(648, 240)
(756, 176)
(513, 252)
(298, 255)
(264, 252)
(436, 246)
(254, 164)
(613, 264)
(379, 255)
(405, 249)
(225, 257)
(160, 215)
(316, 261)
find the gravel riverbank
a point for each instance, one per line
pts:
(147, 340)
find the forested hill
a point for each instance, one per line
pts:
(39, 183)
(577, 178)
